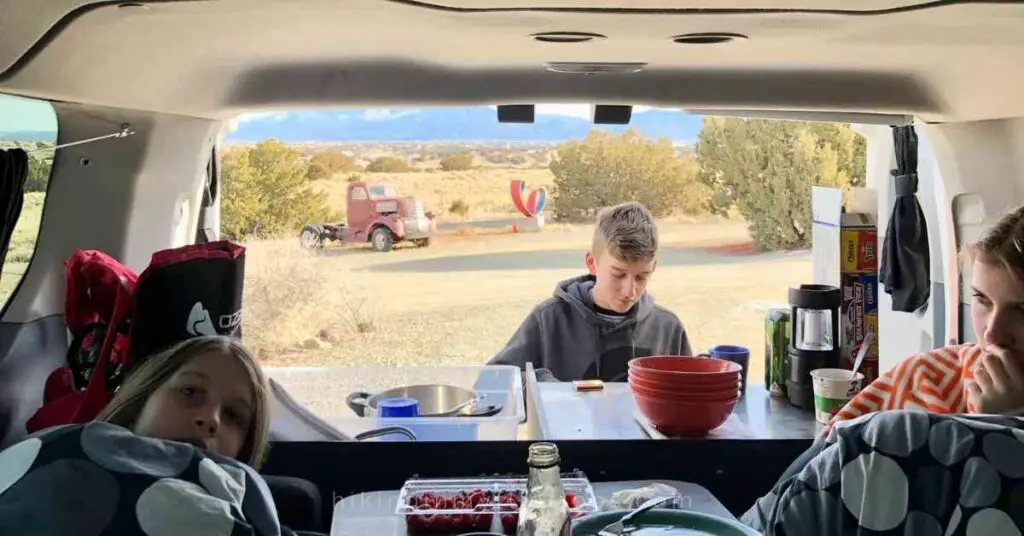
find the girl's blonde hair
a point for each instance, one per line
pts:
(128, 401)
(1003, 243)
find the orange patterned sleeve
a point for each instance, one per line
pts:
(932, 381)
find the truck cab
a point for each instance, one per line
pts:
(378, 214)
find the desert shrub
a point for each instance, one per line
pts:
(459, 208)
(605, 169)
(766, 169)
(498, 157)
(326, 164)
(38, 174)
(266, 192)
(457, 162)
(388, 164)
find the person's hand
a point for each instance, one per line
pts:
(998, 386)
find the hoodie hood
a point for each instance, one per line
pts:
(576, 292)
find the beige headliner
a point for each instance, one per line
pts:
(216, 58)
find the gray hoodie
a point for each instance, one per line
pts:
(567, 336)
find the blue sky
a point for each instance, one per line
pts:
(572, 110)
(22, 115)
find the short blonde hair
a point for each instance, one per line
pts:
(131, 397)
(1003, 244)
(627, 231)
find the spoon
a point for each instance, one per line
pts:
(483, 411)
(861, 353)
(458, 409)
(619, 527)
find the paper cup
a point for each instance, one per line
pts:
(833, 388)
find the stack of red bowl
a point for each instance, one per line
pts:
(684, 395)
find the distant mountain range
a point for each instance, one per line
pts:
(476, 124)
(449, 124)
(28, 135)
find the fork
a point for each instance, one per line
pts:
(619, 527)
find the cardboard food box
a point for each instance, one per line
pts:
(846, 255)
(859, 249)
(858, 317)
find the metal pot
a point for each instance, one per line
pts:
(434, 400)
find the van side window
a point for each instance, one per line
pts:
(31, 125)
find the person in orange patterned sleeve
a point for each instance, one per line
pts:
(986, 377)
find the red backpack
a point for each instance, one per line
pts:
(98, 306)
(118, 319)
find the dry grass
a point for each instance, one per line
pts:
(23, 244)
(484, 190)
(422, 307)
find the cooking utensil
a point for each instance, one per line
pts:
(619, 527)
(386, 430)
(482, 411)
(464, 408)
(433, 401)
(861, 353)
(664, 522)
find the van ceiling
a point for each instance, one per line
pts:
(941, 61)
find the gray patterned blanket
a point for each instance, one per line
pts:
(905, 473)
(100, 479)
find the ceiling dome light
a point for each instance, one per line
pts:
(566, 37)
(707, 38)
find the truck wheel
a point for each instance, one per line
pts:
(381, 239)
(311, 237)
(421, 243)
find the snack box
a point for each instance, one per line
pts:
(457, 505)
(859, 250)
(858, 317)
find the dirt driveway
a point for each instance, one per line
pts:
(458, 301)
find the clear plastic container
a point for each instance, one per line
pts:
(455, 505)
(323, 391)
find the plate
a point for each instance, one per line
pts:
(661, 522)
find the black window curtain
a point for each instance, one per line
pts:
(13, 173)
(905, 270)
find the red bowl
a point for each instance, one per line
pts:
(685, 381)
(684, 418)
(683, 384)
(685, 396)
(704, 368)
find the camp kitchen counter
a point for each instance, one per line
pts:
(565, 413)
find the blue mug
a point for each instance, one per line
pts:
(403, 412)
(396, 408)
(737, 354)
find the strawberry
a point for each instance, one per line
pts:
(509, 522)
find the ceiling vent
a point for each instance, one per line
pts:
(707, 38)
(566, 37)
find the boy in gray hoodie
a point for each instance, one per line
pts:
(595, 323)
